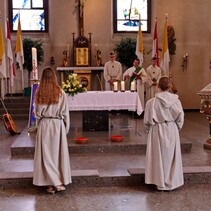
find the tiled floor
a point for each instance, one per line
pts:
(111, 198)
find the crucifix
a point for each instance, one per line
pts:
(82, 44)
(80, 5)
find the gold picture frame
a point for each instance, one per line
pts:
(82, 57)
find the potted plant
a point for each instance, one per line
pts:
(28, 43)
(126, 51)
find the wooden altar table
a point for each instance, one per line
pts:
(92, 70)
(105, 101)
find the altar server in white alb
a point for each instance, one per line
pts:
(138, 74)
(153, 76)
(163, 119)
(51, 159)
(112, 72)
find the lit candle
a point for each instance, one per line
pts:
(122, 86)
(115, 86)
(34, 64)
(133, 86)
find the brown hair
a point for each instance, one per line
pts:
(164, 83)
(112, 53)
(48, 91)
(136, 59)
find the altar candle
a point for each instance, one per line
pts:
(115, 86)
(122, 86)
(34, 64)
(133, 86)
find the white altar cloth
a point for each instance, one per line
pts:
(106, 100)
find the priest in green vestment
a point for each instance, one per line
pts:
(138, 74)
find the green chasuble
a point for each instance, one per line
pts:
(136, 71)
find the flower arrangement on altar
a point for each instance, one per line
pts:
(72, 85)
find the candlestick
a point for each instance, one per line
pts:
(122, 86)
(132, 86)
(34, 64)
(68, 55)
(115, 86)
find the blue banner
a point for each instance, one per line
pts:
(32, 120)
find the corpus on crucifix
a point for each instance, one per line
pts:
(80, 5)
(82, 44)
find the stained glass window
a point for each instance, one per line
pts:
(33, 15)
(127, 14)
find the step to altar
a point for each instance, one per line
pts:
(17, 106)
(98, 142)
(92, 178)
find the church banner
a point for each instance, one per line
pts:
(32, 120)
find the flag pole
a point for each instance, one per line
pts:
(168, 46)
(165, 57)
(8, 58)
(19, 51)
(22, 80)
(10, 77)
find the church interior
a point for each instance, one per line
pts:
(109, 175)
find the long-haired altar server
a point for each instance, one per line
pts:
(51, 159)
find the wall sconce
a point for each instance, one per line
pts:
(52, 61)
(185, 61)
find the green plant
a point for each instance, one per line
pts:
(28, 43)
(126, 51)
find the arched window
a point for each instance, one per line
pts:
(126, 14)
(33, 15)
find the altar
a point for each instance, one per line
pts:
(94, 75)
(99, 103)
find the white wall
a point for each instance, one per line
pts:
(190, 19)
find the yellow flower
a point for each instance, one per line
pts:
(72, 85)
(74, 75)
